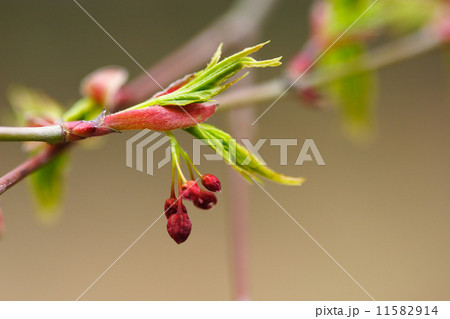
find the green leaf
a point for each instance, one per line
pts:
(235, 154)
(394, 16)
(401, 16)
(85, 109)
(354, 94)
(47, 187)
(209, 82)
(29, 104)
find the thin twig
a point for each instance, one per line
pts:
(239, 203)
(407, 47)
(49, 134)
(387, 54)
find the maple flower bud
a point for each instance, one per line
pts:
(179, 227)
(190, 190)
(160, 118)
(211, 183)
(171, 207)
(444, 29)
(77, 130)
(206, 200)
(102, 84)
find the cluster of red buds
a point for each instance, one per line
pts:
(178, 223)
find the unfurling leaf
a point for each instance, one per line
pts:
(47, 187)
(353, 94)
(33, 108)
(209, 82)
(394, 16)
(235, 154)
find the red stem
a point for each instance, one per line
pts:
(239, 203)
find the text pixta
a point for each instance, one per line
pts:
(337, 311)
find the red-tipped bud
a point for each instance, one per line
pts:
(319, 17)
(171, 207)
(102, 84)
(206, 200)
(211, 183)
(78, 130)
(175, 85)
(179, 227)
(190, 190)
(444, 29)
(160, 118)
(312, 97)
(303, 61)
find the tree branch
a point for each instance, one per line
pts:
(234, 28)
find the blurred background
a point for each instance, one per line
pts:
(381, 210)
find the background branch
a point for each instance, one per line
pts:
(402, 49)
(234, 29)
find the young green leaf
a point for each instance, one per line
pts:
(47, 187)
(209, 82)
(33, 107)
(394, 16)
(353, 94)
(235, 154)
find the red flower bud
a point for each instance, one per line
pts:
(211, 183)
(190, 190)
(312, 97)
(160, 118)
(102, 84)
(206, 200)
(78, 130)
(171, 207)
(179, 227)
(319, 17)
(444, 29)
